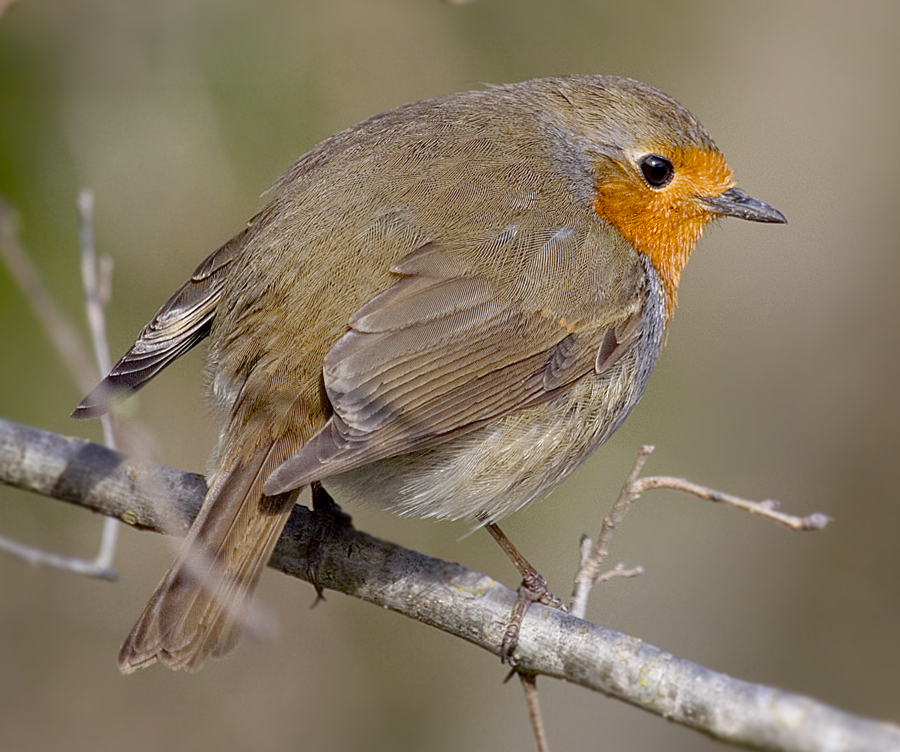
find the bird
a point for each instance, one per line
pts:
(441, 311)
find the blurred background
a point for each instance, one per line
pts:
(779, 379)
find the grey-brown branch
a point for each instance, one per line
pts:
(454, 599)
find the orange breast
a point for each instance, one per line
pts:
(663, 223)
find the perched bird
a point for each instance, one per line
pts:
(442, 311)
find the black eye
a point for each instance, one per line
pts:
(657, 171)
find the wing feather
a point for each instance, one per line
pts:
(183, 321)
(433, 357)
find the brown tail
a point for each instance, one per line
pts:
(200, 608)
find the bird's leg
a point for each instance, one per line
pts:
(533, 589)
(328, 520)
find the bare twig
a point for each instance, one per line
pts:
(97, 281)
(67, 343)
(593, 555)
(529, 686)
(767, 508)
(458, 601)
(619, 570)
(39, 557)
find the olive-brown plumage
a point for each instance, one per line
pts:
(442, 311)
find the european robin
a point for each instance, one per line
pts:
(442, 311)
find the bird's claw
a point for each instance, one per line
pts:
(533, 589)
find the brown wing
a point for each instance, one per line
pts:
(182, 322)
(434, 356)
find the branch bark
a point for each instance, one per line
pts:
(457, 600)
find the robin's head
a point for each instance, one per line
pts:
(657, 175)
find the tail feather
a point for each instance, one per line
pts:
(201, 607)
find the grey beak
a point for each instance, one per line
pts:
(736, 203)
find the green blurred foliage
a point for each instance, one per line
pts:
(779, 379)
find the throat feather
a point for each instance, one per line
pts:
(662, 223)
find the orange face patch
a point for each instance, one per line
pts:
(663, 223)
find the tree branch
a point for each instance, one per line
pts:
(454, 599)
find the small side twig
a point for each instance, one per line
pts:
(529, 685)
(593, 554)
(97, 281)
(64, 337)
(767, 508)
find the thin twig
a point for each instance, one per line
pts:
(589, 568)
(95, 308)
(619, 570)
(594, 554)
(96, 280)
(767, 508)
(39, 557)
(529, 686)
(67, 343)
